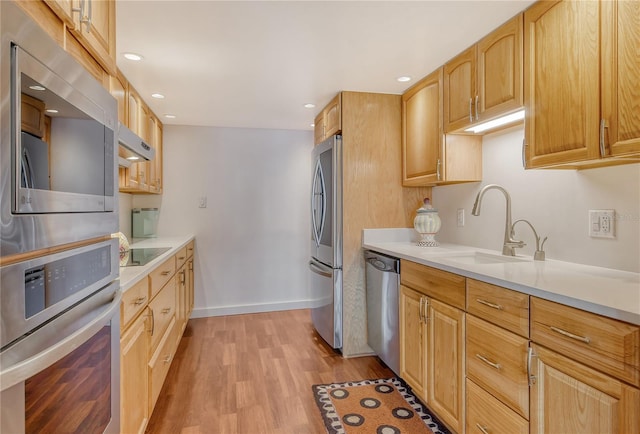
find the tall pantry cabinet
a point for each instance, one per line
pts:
(371, 194)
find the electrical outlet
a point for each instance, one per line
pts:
(202, 202)
(602, 223)
(460, 217)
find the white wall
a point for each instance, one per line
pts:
(556, 202)
(253, 238)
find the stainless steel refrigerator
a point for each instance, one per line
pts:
(326, 245)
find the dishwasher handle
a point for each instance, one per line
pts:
(383, 263)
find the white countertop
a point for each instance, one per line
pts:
(129, 276)
(608, 292)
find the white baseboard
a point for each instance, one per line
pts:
(204, 312)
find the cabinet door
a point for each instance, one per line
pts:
(155, 175)
(460, 90)
(621, 77)
(95, 27)
(134, 381)
(63, 9)
(190, 288)
(445, 363)
(412, 340)
(570, 397)
(181, 300)
(422, 131)
(333, 117)
(500, 71)
(118, 89)
(562, 64)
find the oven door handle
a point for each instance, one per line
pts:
(30, 366)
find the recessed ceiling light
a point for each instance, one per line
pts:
(36, 87)
(312, 125)
(403, 79)
(157, 95)
(169, 116)
(309, 105)
(51, 111)
(133, 56)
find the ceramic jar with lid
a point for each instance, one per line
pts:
(427, 223)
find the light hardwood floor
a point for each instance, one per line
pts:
(251, 374)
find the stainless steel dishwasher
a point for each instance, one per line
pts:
(383, 281)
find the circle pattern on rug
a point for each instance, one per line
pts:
(387, 429)
(353, 419)
(402, 413)
(369, 403)
(383, 388)
(339, 394)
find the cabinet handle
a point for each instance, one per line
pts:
(524, 154)
(470, 109)
(482, 428)
(90, 16)
(603, 125)
(139, 301)
(426, 306)
(182, 277)
(584, 339)
(153, 321)
(488, 303)
(181, 257)
(191, 266)
(532, 378)
(477, 98)
(489, 362)
(438, 163)
(420, 311)
(167, 359)
(166, 310)
(166, 273)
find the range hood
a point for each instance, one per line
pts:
(132, 148)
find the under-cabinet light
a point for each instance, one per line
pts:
(133, 157)
(504, 120)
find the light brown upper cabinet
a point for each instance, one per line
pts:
(95, 28)
(329, 120)
(581, 84)
(428, 156)
(118, 89)
(485, 81)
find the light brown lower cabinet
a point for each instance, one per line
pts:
(134, 383)
(160, 361)
(486, 414)
(569, 397)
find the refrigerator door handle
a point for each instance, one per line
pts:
(320, 269)
(318, 226)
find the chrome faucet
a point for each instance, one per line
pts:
(508, 248)
(539, 253)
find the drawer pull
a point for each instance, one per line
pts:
(139, 301)
(584, 339)
(166, 310)
(167, 359)
(482, 428)
(488, 362)
(181, 257)
(488, 303)
(166, 273)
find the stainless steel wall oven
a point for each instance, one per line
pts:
(59, 267)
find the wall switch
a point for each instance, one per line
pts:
(460, 217)
(202, 202)
(602, 223)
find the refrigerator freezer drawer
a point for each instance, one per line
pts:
(326, 288)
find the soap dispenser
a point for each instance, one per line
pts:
(427, 223)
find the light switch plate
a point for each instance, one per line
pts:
(460, 217)
(202, 202)
(602, 223)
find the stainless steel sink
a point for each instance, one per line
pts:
(482, 258)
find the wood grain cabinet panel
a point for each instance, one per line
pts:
(95, 28)
(32, 115)
(606, 344)
(485, 414)
(441, 285)
(160, 362)
(161, 275)
(581, 92)
(163, 311)
(134, 300)
(412, 341)
(501, 306)
(329, 121)
(497, 361)
(569, 397)
(134, 380)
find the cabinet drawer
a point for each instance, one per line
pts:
(501, 306)
(163, 310)
(485, 414)
(160, 362)
(441, 285)
(190, 248)
(497, 361)
(133, 301)
(181, 257)
(161, 275)
(605, 344)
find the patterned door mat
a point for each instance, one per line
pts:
(383, 406)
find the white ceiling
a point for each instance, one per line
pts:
(255, 64)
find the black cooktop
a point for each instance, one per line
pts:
(142, 256)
